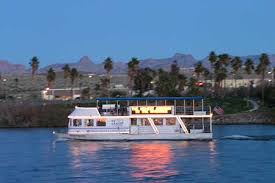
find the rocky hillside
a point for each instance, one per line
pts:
(7, 67)
(85, 64)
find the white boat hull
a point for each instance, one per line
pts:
(132, 137)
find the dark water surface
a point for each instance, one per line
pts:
(237, 154)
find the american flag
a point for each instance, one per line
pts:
(218, 110)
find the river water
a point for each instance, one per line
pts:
(237, 154)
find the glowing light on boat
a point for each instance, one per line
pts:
(151, 109)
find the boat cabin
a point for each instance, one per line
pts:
(146, 115)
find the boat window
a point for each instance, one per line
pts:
(89, 122)
(145, 122)
(170, 121)
(101, 123)
(133, 122)
(70, 122)
(158, 121)
(76, 122)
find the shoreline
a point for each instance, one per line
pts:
(28, 115)
(245, 118)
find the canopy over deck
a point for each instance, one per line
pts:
(149, 98)
(180, 103)
(84, 112)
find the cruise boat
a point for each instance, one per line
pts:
(145, 118)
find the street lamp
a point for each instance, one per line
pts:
(272, 77)
(89, 83)
(4, 87)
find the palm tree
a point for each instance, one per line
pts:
(79, 81)
(261, 70)
(73, 75)
(222, 75)
(108, 66)
(224, 59)
(133, 67)
(192, 87)
(205, 74)
(249, 67)
(220, 71)
(51, 77)
(104, 83)
(66, 69)
(178, 79)
(166, 85)
(144, 81)
(34, 63)
(16, 80)
(170, 83)
(236, 64)
(182, 80)
(199, 70)
(174, 68)
(213, 58)
(223, 62)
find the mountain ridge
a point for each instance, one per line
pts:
(85, 64)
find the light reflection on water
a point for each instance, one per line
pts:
(152, 161)
(143, 160)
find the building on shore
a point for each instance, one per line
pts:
(245, 82)
(61, 93)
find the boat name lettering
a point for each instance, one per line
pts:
(117, 122)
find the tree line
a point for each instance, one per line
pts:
(146, 81)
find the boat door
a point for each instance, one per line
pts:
(134, 129)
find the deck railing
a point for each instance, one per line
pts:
(178, 110)
(190, 110)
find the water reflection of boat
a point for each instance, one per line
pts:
(152, 161)
(82, 149)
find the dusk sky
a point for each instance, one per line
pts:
(64, 30)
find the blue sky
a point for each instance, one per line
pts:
(65, 30)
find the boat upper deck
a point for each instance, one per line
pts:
(152, 105)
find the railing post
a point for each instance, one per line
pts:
(117, 108)
(211, 124)
(175, 107)
(193, 105)
(202, 105)
(184, 107)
